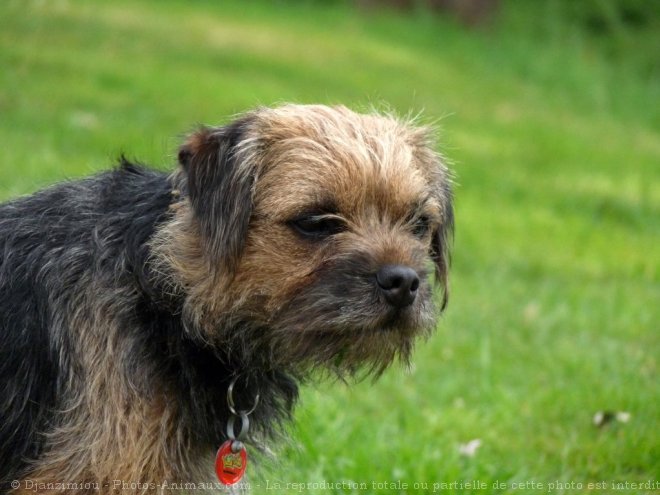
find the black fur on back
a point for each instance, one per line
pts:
(48, 242)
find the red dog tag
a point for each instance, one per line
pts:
(230, 466)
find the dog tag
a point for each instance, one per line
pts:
(229, 465)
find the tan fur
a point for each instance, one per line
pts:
(108, 431)
(380, 167)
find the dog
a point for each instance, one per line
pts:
(295, 239)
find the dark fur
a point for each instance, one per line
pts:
(217, 191)
(48, 242)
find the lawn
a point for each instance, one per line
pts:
(553, 132)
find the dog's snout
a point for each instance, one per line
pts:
(398, 284)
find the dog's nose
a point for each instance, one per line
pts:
(399, 284)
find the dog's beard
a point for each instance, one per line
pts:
(338, 323)
(352, 332)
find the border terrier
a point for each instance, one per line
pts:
(295, 239)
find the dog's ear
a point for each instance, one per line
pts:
(443, 237)
(220, 186)
(439, 180)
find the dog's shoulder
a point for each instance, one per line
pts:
(124, 201)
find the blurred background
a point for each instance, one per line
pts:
(544, 367)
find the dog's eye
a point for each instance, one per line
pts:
(317, 226)
(421, 226)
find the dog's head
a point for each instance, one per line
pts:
(318, 235)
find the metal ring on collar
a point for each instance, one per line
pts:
(245, 425)
(232, 405)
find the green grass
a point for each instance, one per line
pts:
(555, 138)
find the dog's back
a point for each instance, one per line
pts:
(50, 243)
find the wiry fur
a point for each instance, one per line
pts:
(129, 300)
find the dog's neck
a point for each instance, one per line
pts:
(198, 375)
